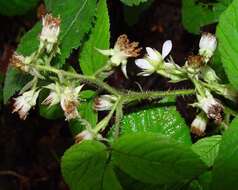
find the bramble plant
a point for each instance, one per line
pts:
(147, 149)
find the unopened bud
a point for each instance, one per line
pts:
(207, 45)
(199, 124)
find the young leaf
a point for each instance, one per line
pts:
(133, 2)
(76, 16)
(163, 120)
(227, 33)
(156, 159)
(207, 148)
(196, 14)
(91, 60)
(84, 167)
(225, 172)
(16, 7)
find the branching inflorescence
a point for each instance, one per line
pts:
(65, 86)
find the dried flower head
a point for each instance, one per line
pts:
(18, 61)
(195, 61)
(123, 49)
(130, 49)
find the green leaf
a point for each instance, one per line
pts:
(162, 119)
(196, 14)
(86, 111)
(207, 148)
(15, 79)
(87, 94)
(91, 60)
(84, 167)
(76, 16)
(49, 4)
(16, 7)
(225, 172)
(53, 112)
(205, 180)
(227, 33)
(133, 2)
(14, 82)
(156, 159)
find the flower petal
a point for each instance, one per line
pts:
(152, 54)
(143, 64)
(123, 69)
(166, 49)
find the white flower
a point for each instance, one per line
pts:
(54, 97)
(154, 59)
(50, 31)
(69, 102)
(207, 45)
(199, 124)
(104, 102)
(212, 107)
(25, 102)
(67, 96)
(123, 49)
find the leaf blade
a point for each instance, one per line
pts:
(226, 161)
(227, 33)
(90, 59)
(156, 159)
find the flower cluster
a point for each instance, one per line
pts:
(67, 92)
(196, 69)
(67, 96)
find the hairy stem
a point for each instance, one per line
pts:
(128, 97)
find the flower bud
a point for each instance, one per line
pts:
(104, 102)
(86, 135)
(207, 45)
(212, 107)
(208, 74)
(199, 124)
(50, 31)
